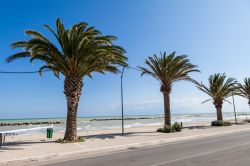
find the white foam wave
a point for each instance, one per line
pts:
(27, 130)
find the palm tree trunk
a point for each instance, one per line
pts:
(72, 90)
(219, 111)
(167, 114)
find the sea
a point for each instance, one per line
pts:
(110, 122)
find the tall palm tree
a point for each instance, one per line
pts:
(244, 89)
(168, 69)
(219, 89)
(81, 51)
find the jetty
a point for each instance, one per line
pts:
(31, 123)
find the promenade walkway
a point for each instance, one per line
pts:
(34, 149)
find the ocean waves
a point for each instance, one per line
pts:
(106, 123)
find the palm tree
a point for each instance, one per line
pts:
(244, 89)
(219, 89)
(82, 50)
(168, 69)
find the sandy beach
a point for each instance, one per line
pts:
(100, 133)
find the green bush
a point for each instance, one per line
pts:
(220, 123)
(247, 120)
(165, 129)
(59, 140)
(159, 130)
(227, 123)
(217, 123)
(176, 127)
(79, 139)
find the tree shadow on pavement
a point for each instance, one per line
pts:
(2, 149)
(113, 135)
(18, 144)
(197, 127)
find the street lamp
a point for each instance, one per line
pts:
(122, 100)
(234, 105)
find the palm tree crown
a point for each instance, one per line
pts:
(83, 50)
(219, 89)
(168, 69)
(244, 89)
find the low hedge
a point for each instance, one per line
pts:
(247, 120)
(176, 127)
(220, 123)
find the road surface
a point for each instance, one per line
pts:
(227, 150)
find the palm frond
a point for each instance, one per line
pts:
(206, 101)
(219, 88)
(169, 68)
(17, 56)
(82, 50)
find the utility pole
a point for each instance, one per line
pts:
(122, 100)
(234, 108)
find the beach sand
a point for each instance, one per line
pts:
(87, 134)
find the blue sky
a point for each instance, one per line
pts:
(214, 34)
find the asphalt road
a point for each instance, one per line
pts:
(229, 150)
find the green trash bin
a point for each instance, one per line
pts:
(49, 132)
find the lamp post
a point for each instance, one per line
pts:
(234, 110)
(122, 100)
(234, 106)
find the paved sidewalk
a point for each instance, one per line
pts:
(34, 150)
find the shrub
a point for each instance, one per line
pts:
(217, 123)
(220, 123)
(247, 120)
(227, 123)
(176, 127)
(159, 130)
(165, 129)
(60, 140)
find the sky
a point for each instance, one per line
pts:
(214, 34)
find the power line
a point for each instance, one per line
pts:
(33, 72)
(21, 72)
(135, 68)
